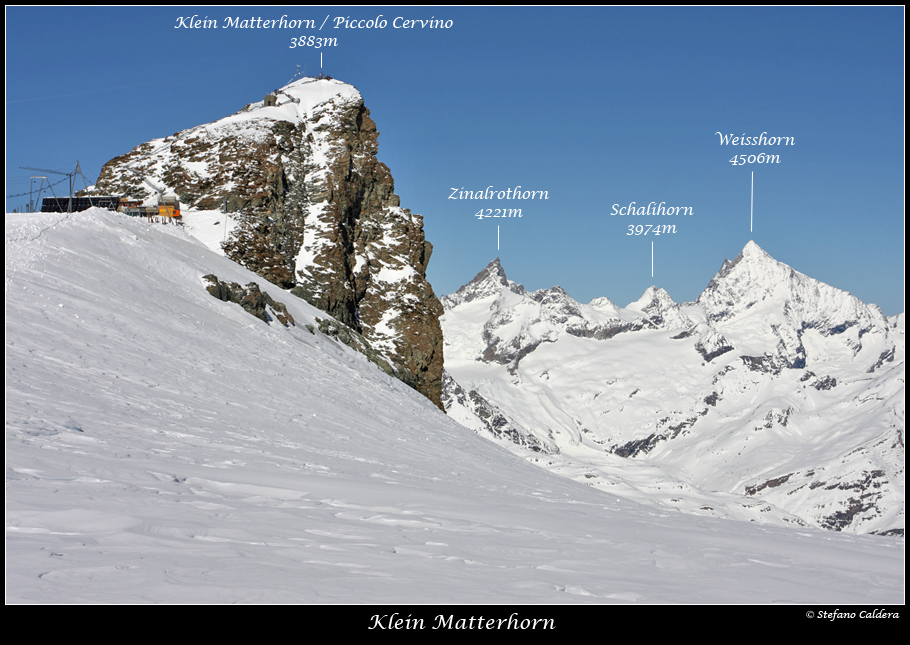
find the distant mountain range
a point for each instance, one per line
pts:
(773, 397)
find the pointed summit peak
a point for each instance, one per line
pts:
(659, 308)
(492, 272)
(654, 292)
(659, 294)
(650, 296)
(753, 250)
(750, 276)
(491, 280)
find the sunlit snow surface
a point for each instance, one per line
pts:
(646, 414)
(164, 446)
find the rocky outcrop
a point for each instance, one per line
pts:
(316, 214)
(471, 409)
(364, 258)
(251, 298)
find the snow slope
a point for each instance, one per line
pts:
(165, 446)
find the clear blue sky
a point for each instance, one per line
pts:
(596, 106)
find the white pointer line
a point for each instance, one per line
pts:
(751, 201)
(497, 237)
(652, 258)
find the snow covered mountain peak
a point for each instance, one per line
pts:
(751, 249)
(490, 281)
(225, 158)
(311, 209)
(779, 303)
(491, 275)
(602, 302)
(318, 90)
(659, 309)
(651, 295)
(752, 254)
(296, 102)
(753, 258)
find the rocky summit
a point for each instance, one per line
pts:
(315, 213)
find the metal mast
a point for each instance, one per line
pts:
(72, 177)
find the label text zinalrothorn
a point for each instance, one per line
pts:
(489, 193)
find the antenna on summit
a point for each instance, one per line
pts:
(297, 74)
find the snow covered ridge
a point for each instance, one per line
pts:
(312, 211)
(232, 156)
(773, 397)
(165, 446)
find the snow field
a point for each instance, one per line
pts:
(164, 446)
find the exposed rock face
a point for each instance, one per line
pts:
(487, 282)
(252, 300)
(475, 412)
(316, 214)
